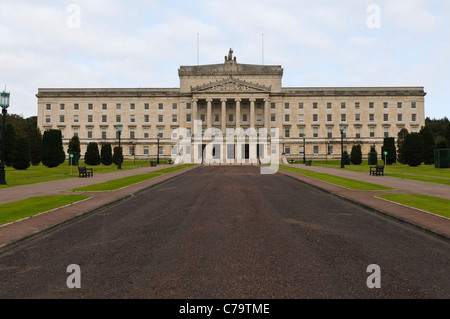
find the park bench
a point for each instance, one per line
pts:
(85, 172)
(152, 163)
(308, 162)
(377, 170)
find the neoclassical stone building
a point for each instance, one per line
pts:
(232, 95)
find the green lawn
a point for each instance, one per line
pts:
(116, 183)
(41, 173)
(29, 207)
(435, 205)
(340, 181)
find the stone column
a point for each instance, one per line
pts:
(194, 111)
(252, 113)
(238, 113)
(224, 116)
(208, 112)
(266, 114)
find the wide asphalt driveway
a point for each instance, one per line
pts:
(229, 232)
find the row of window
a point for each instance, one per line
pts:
(287, 106)
(315, 118)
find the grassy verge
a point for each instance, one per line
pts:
(435, 205)
(116, 184)
(340, 181)
(10, 212)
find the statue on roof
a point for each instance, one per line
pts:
(230, 55)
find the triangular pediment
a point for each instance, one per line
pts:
(231, 85)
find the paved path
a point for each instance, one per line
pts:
(230, 233)
(436, 224)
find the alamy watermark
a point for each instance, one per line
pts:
(374, 19)
(74, 18)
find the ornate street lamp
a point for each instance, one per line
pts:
(119, 131)
(4, 103)
(341, 128)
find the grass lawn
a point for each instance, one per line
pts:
(340, 181)
(172, 169)
(435, 205)
(116, 183)
(10, 212)
(41, 173)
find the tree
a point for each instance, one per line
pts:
(21, 154)
(412, 149)
(400, 142)
(10, 139)
(52, 149)
(117, 157)
(92, 156)
(447, 134)
(389, 147)
(34, 142)
(346, 158)
(429, 145)
(75, 149)
(356, 155)
(106, 154)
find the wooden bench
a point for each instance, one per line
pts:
(308, 162)
(377, 170)
(85, 172)
(152, 163)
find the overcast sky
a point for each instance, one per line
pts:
(120, 44)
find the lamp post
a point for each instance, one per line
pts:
(304, 149)
(341, 128)
(157, 150)
(4, 103)
(119, 131)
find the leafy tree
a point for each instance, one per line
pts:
(117, 156)
(34, 137)
(400, 142)
(412, 149)
(429, 145)
(52, 149)
(356, 155)
(389, 147)
(106, 154)
(92, 156)
(10, 138)
(447, 134)
(21, 154)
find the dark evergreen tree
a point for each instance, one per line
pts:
(10, 140)
(356, 155)
(106, 154)
(447, 134)
(92, 156)
(389, 147)
(346, 158)
(117, 156)
(412, 149)
(400, 142)
(429, 145)
(52, 149)
(75, 149)
(21, 154)
(35, 142)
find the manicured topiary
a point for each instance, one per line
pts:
(92, 156)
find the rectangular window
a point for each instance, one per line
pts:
(104, 118)
(61, 107)
(118, 118)
(47, 119)
(131, 150)
(372, 131)
(90, 106)
(329, 132)
(146, 150)
(146, 132)
(230, 117)
(132, 118)
(301, 118)
(286, 117)
(104, 133)
(160, 118)
(287, 132)
(202, 117)
(316, 150)
(329, 104)
(315, 105)
(118, 106)
(216, 117)
(188, 106)
(386, 131)
(146, 118)
(287, 150)
(174, 118)
(132, 134)
(160, 150)
(174, 106)
(89, 133)
(343, 117)
(132, 106)
(329, 117)
(399, 105)
(301, 132)
(356, 105)
(315, 132)
(146, 106)
(385, 117)
(399, 117)
(272, 106)
(258, 117)
(371, 105)
(75, 131)
(330, 149)
(75, 118)
(371, 117)
(76, 106)
(300, 105)
(358, 132)
(357, 117)
(104, 106)
(48, 107)
(61, 118)
(188, 117)
(244, 117)
(385, 105)
(413, 117)
(286, 106)
(413, 105)
(315, 117)
(342, 105)
(90, 119)
(272, 117)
